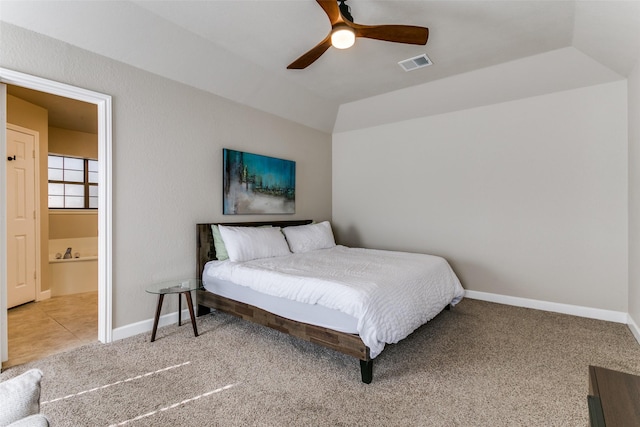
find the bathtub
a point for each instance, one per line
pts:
(75, 275)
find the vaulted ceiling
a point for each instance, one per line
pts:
(239, 49)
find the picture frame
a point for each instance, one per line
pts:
(257, 184)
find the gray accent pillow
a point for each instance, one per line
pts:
(20, 397)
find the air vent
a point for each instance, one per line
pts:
(415, 62)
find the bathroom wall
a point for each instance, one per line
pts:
(73, 224)
(73, 143)
(69, 224)
(75, 228)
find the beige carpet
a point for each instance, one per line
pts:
(481, 364)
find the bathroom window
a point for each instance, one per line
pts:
(73, 183)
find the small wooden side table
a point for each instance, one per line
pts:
(180, 287)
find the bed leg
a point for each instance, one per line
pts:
(366, 370)
(202, 310)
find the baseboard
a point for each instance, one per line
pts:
(633, 326)
(574, 310)
(146, 326)
(43, 295)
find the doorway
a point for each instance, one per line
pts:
(103, 104)
(64, 315)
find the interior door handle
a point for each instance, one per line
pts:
(11, 158)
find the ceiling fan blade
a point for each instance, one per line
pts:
(311, 56)
(332, 10)
(393, 33)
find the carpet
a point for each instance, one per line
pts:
(480, 364)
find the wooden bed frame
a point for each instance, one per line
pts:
(348, 344)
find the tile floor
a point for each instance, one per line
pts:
(38, 329)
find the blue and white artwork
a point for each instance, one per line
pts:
(256, 184)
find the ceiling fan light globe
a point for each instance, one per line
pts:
(343, 38)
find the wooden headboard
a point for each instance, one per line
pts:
(205, 251)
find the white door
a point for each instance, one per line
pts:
(21, 215)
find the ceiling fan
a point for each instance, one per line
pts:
(344, 32)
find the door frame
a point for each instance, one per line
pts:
(105, 273)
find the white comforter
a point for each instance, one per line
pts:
(390, 293)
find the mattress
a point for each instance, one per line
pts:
(312, 314)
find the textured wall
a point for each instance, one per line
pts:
(526, 198)
(167, 157)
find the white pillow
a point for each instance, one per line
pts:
(305, 238)
(247, 243)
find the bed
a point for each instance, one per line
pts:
(277, 290)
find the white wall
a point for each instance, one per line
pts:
(525, 198)
(634, 199)
(167, 157)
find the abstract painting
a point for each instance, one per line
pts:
(256, 184)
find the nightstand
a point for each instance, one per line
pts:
(180, 287)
